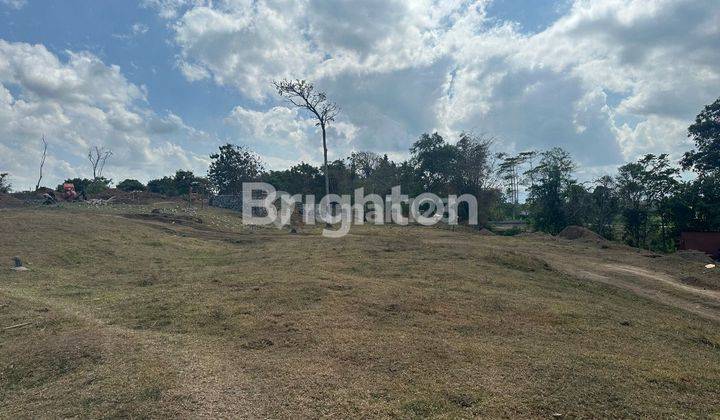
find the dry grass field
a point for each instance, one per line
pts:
(126, 313)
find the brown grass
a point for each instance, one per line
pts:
(139, 317)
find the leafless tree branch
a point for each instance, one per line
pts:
(42, 162)
(302, 94)
(98, 157)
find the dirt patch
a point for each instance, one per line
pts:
(692, 255)
(486, 232)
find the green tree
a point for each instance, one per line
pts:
(131, 185)
(696, 206)
(579, 205)
(705, 132)
(435, 162)
(299, 179)
(184, 181)
(552, 181)
(474, 175)
(232, 166)
(645, 188)
(605, 206)
(164, 186)
(512, 173)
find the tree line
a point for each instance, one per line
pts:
(645, 204)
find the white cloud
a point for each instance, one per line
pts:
(608, 80)
(136, 30)
(14, 4)
(78, 103)
(283, 135)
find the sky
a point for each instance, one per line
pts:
(163, 83)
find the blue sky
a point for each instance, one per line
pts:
(164, 82)
(105, 28)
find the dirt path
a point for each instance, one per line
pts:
(654, 285)
(663, 278)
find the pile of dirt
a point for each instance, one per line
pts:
(7, 200)
(486, 232)
(580, 233)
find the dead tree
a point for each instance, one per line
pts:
(98, 157)
(303, 95)
(42, 162)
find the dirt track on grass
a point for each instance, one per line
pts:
(655, 285)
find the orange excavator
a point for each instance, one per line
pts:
(69, 193)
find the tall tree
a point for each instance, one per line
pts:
(705, 132)
(303, 95)
(474, 174)
(232, 166)
(605, 206)
(645, 187)
(553, 179)
(435, 162)
(511, 170)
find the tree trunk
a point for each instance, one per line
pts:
(327, 175)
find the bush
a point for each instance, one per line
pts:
(181, 184)
(131, 185)
(164, 186)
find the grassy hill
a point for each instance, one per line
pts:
(138, 314)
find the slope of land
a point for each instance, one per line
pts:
(185, 314)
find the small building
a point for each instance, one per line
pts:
(707, 242)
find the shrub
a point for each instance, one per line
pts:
(131, 185)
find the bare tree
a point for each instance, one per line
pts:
(98, 157)
(303, 95)
(42, 162)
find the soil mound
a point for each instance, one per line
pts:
(580, 233)
(486, 232)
